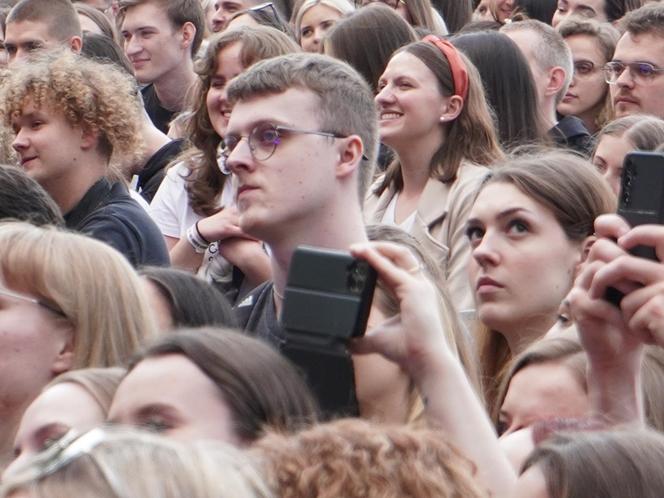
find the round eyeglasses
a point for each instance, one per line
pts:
(642, 72)
(263, 140)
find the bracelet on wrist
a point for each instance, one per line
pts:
(196, 241)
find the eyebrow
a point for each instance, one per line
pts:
(259, 122)
(503, 214)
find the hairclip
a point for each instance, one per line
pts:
(457, 66)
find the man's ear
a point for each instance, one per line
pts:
(350, 155)
(89, 139)
(64, 360)
(556, 81)
(188, 32)
(76, 44)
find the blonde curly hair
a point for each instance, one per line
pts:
(91, 95)
(354, 458)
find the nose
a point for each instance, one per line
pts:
(219, 20)
(486, 251)
(20, 142)
(132, 46)
(240, 158)
(384, 96)
(625, 79)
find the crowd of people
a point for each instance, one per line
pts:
(161, 162)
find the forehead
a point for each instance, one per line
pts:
(149, 14)
(596, 5)
(24, 31)
(584, 47)
(229, 59)
(645, 47)
(405, 64)
(500, 196)
(294, 107)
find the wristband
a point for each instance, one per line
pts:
(196, 240)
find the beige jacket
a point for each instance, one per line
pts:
(440, 225)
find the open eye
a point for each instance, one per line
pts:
(584, 67)
(266, 135)
(517, 226)
(474, 233)
(645, 69)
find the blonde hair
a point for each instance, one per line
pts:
(119, 463)
(342, 6)
(96, 288)
(100, 383)
(353, 458)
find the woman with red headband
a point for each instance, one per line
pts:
(434, 116)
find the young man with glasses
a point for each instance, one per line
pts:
(301, 142)
(636, 71)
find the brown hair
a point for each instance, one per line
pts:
(346, 102)
(99, 18)
(179, 12)
(648, 19)
(575, 193)
(643, 132)
(367, 38)
(470, 137)
(205, 181)
(259, 385)
(353, 458)
(59, 16)
(611, 464)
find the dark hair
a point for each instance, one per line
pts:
(455, 13)
(22, 198)
(367, 38)
(616, 9)
(178, 12)
(99, 18)
(262, 388)
(475, 26)
(505, 74)
(268, 16)
(102, 49)
(193, 301)
(58, 15)
(541, 10)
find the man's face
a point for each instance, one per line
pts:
(47, 145)
(633, 93)
(152, 44)
(225, 9)
(27, 37)
(291, 189)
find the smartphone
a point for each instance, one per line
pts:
(327, 297)
(327, 301)
(641, 200)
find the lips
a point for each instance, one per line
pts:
(25, 160)
(487, 284)
(137, 63)
(625, 99)
(388, 115)
(569, 97)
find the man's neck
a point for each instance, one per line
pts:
(339, 233)
(548, 109)
(68, 191)
(173, 88)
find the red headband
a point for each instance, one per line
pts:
(457, 66)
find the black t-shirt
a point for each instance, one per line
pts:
(153, 172)
(160, 116)
(256, 315)
(109, 214)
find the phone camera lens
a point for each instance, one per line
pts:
(356, 279)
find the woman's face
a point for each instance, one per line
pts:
(587, 92)
(609, 157)
(170, 395)
(522, 263)
(51, 415)
(315, 23)
(410, 105)
(35, 345)
(539, 392)
(229, 65)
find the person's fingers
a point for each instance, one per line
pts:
(392, 262)
(604, 250)
(626, 273)
(582, 308)
(645, 235)
(611, 226)
(585, 277)
(378, 339)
